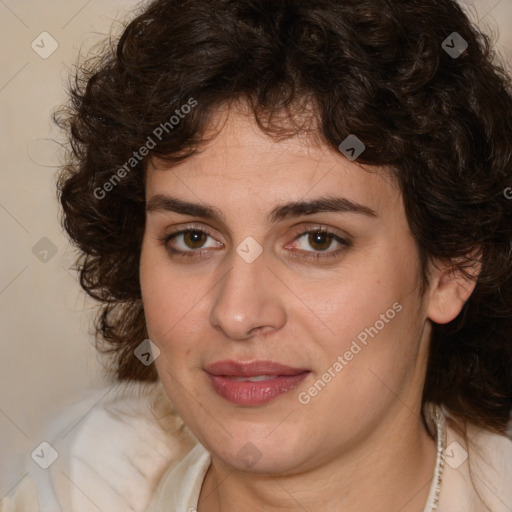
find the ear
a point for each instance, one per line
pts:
(450, 289)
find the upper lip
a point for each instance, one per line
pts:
(234, 368)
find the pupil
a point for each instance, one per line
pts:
(196, 237)
(317, 239)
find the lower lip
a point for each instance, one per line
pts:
(255, 393)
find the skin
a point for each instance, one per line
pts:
(359, 444)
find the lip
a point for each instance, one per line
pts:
(236, 369)
(282, 378)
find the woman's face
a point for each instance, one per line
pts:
(250, 285)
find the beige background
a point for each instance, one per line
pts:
(47, 358)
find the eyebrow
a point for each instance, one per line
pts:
(281, 212)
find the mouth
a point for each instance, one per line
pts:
(255, 383)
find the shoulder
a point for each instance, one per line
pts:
(112, 450)
(477, 473)
(490, 460)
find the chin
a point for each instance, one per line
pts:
(256, 452)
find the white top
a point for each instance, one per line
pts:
(115, 455)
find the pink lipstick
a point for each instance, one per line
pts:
(253, 383)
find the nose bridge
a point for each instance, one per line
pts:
(246, 298)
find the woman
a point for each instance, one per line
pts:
(295, 216)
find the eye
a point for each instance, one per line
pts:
(321, 239)
(189, 241)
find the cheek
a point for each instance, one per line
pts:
(367, 327)
(165, 309)
(362, 300)
(374, 317)
(171, 304)
(159, 294)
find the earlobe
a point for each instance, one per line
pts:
(450, 289)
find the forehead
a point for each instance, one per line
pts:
(244, 166)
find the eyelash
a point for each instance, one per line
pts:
(316, 256)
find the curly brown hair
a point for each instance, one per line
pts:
(442, 122)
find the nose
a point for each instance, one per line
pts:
(248, 301)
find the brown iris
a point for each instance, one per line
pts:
(316, 238)
(197, 239)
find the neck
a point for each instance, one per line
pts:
(391, 470)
